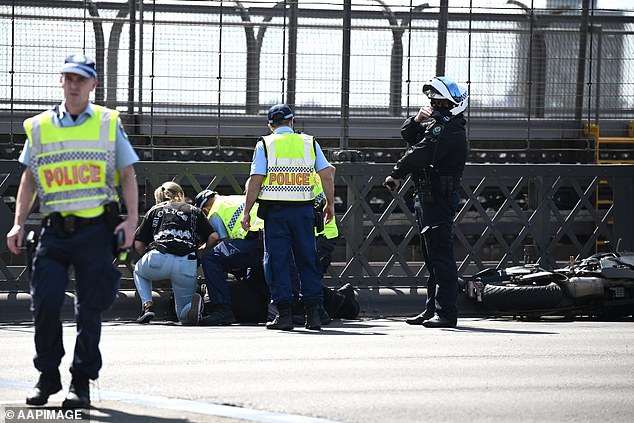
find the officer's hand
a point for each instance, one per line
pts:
(392, 183)
(129, 227)
(15, 239)
(423, 113)
(246, 221)
(329, 213)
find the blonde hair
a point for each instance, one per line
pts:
(168, 191)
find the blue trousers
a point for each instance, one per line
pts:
(89, 251)
(180, 270)
(289, 233)
(325, 248)
(228, 255)
(435, 223)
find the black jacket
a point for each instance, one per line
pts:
(446, 153)
(175, 228)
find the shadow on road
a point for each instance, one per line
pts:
(102, 414)
(505, 331)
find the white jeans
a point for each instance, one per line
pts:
(181, 271)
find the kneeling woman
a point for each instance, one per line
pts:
(168, 240)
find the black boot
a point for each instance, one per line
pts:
(79, 392)
(284, 318)
(48, 384)
(299, 312)
(313, 321)
(221, 315)
(439, 322)
(299, 318)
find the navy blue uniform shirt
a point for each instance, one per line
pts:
(451, 148)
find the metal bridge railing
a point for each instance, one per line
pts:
(505, 208)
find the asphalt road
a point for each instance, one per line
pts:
(366, 371)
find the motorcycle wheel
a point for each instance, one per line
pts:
(522, 297)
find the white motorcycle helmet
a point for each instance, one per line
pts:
(445, 88)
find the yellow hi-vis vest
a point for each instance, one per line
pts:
(330, 229)
(230, 208)
(74, 167)
(290, 168)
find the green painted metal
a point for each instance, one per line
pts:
(505, 208)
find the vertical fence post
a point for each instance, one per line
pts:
(441, 47)
(581, 62)
(345, 74)
(100, 47)
(292, 54)
(131, 58)
(12, 74)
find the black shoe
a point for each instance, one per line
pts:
(221, 315)
(300, 319)
(420, 318)
(313, 321)
(48, 384)
(439, 322)
(195, 312)
(283, 320)
(146, 315)
(78, 394)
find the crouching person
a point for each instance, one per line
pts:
(239, 250)
(168, 239)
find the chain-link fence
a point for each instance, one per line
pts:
(202, 73)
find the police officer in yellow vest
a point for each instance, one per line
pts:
(281, 180)
(338, 303)
(239, 249)
(326, 236)
(75, 155)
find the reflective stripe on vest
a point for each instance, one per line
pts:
(230, 208)
(290, 169)
(73, 167)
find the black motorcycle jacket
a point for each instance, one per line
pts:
(445, 153)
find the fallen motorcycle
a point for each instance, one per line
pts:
(601, 285)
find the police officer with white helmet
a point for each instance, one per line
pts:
(436, 157)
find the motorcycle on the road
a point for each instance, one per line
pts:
(601, 285)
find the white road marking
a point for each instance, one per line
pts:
(185, 405)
